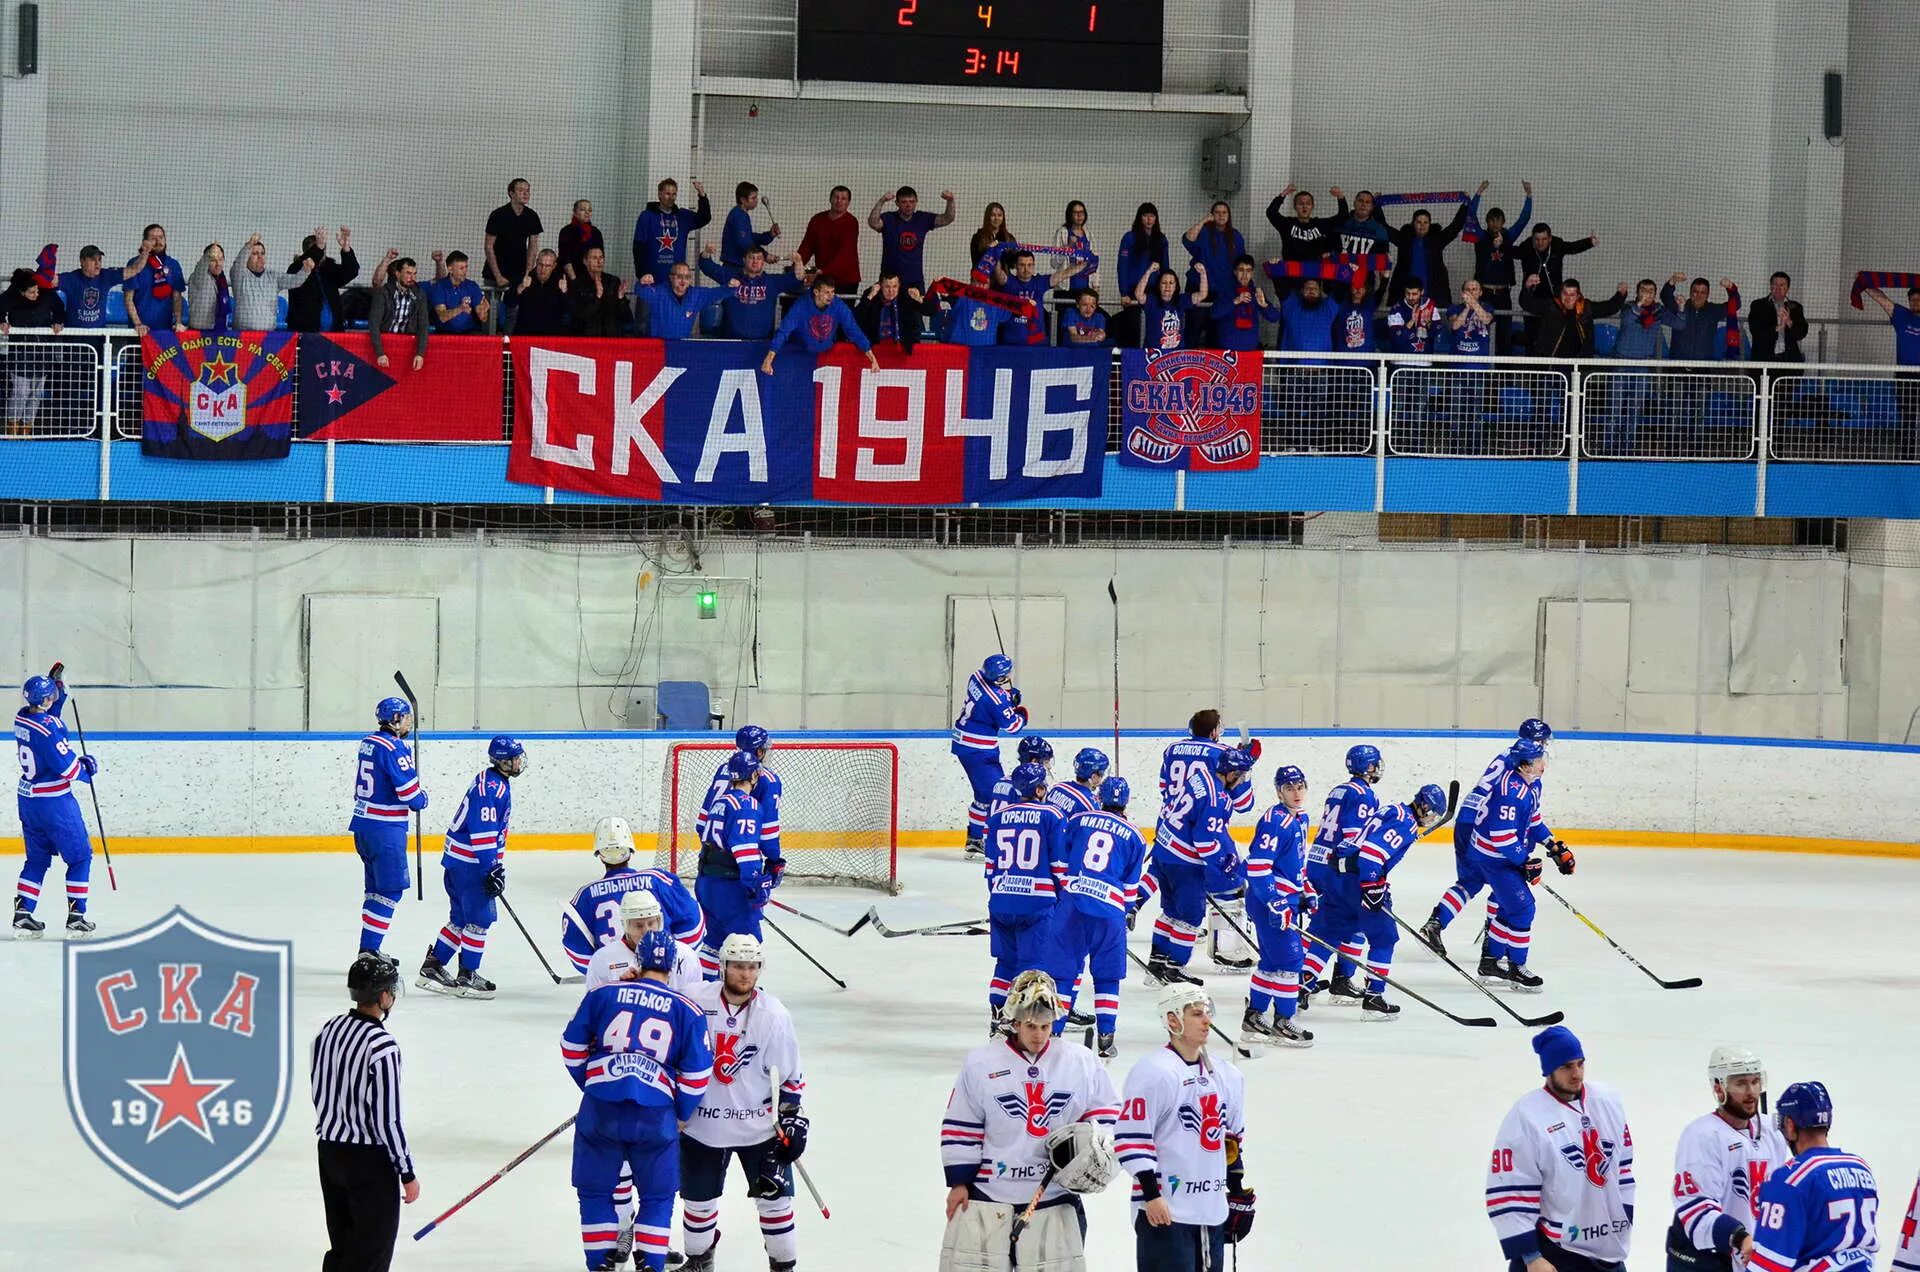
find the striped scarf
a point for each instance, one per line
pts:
(1884, 279)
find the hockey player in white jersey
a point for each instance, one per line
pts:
(618, 960)
(1182, 1120)
(754, 1047)
(1560, 1187)
(1719, 1165)
(1029, 1125)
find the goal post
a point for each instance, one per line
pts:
(839, 809)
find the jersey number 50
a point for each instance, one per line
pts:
(1018, 848)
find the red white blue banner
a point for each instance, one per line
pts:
(217, 396)
(1197, 409)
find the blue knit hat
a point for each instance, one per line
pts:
(1556, 1046)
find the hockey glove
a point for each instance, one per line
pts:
(419, 803)
(1374, 895)
(1347, 864)
(773, 1181)
(1023, 714)
(88, 767)
(793, 1134)
(1281, 913)
(1014, 691)
(1252, 747)
(1310, 902)
(766, 886)
(54, 672)
(497, 880)
(1562, 856)
(1239, 1214)
(1532, 869)
(1133, 912)
(777, 870)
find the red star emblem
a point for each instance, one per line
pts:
(181, 1099)
(666, 242)
(335, 395)
(216, 369)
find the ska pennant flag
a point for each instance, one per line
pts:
(225, 396)
(178, 1052)
(346, 395)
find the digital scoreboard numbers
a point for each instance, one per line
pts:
(1108, 45)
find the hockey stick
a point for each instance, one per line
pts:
(803, 953)
(773, 1077)
(1453, 806)
(994, 610)
(1238, 1050)
(497, 1176)
(1690, 982)
(1472, 1022)
(1115, 598)
(106, 849)
(419, 871)
(858, 923)
(1025, 1217)
(535, 945)
(965, 927)
(1531, 1022)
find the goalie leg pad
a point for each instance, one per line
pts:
(978, 1239)
(1228, 944)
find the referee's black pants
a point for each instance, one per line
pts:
(361, 1191)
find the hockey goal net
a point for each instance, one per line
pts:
(839, 809)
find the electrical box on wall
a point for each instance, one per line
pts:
(26, 39)
(1220, 164)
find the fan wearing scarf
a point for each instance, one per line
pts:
(210, 292)
(156, 285)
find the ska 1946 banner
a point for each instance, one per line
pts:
(697, 422)
(1197, 409)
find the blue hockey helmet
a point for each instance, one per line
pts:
(1363, 759)
(1026, 779)
(39, 691)
(504, 749)
(1088, 761)
(1807, 1103)
(1234, 760)
(1114, 793)
(1035, 749)
(1526, 751)
(751, 737)
(741, 766)
(1289, 775)
(655, 951)
(1429, 800)
(997, 667)
(1535, 731)
(387, 710)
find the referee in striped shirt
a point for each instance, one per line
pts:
(365, 1168)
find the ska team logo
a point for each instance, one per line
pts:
(178, 1052)
(1192, 399)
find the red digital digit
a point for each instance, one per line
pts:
(1093, 17)
(907, 9)
(1008, 63)
(976, 62)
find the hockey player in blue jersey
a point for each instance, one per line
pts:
(1350, 806)
(991, 709)
(1359, 904)
(1082, 794)
(1817, 1213)
(386, 785)
(1025, 857)
(640, 1056)
(1504, 839)
(736, 876)
(1034, 749)
(1203, 746)
(1192, 829)
(1469, 879)
(475, 863)
(766, 790)
(50, 820)
(592, 918)
(1105, 854)
(1277, 902)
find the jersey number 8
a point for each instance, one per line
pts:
(1099, 851)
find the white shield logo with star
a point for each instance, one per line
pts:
(178, 1052)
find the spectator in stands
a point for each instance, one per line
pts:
(398, 309)
(513, 239)
(1142, 246)
(1493, 256)
(975, 322)
(1365, 233)
(1072, 237)
(890, 313)
(1023, 284)
(210, 292)
(1086, 322)
(818, 322)
(1413, 325)
(1307, 319)
(993, 231)
(1702, 332)
(459, 305)
(542, 305)
(1906, 323)
(1238, 309)
(1776, 323)
(1466, 401)
(31, 300)
(1471, 322)
(738, 234)
(751, 311)
(256, 292)
(903, 233)
(86, 291)
(1544, 256)
(1214, 244)
(832, 242)
(598, 299)
(1421, 254)
(1166, 314)
(1619, 409)
(1641, 324)
(576, 236)
(1565, 323)
(311, 303)
(673, 307)
(1302, 236)
(660, 234)
(155, 285)
(1353, 330)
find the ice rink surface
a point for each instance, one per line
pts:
(1367, 1151)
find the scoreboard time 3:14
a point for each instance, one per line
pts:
(1105, 45)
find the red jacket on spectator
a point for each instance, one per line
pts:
(833, 245)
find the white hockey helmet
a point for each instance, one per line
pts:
(1177, 997)
(1732, 1060)
(1032, 996)
(741, 947)
(612, 840)
(639, 905)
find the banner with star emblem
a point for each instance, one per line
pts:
(1193, 409)
(179, 1053)
(347, 396)
(217, 396)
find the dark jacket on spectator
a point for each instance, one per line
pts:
(1493, 261)
(385, 302)
(23, 354)
(1697, 333)
(602, 315)
(1762, 327)
(867, 314)
(1308, 241)
(1439, 285)
(1551, 264)
(544, 309)
(322, 287)
(1566, 333)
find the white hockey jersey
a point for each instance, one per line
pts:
(1565, 1172)
(1177, 1119)
(612, 960)
(1906, 1255)
(748, 1041)
(1717, 1172)
(1004, 1106)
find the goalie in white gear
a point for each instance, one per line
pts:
(640, 912)
(1719, 1165)
(1181, 1126)
(1029, 1124)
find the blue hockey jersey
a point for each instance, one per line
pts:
(641, 1043)
(1193, 824)
(1385, 839)
(479, 832)
(766, 791)
(1071, 798)
(1104, 856)
(48, 766)
(592, 917)
(1187, 752)
(1476, 801)
(1025, 857)
(731, 847)
(385, 783)
(1510, 826)
(989, 711)
(1350, 806)
(1277, 861)
(1816, 1214)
